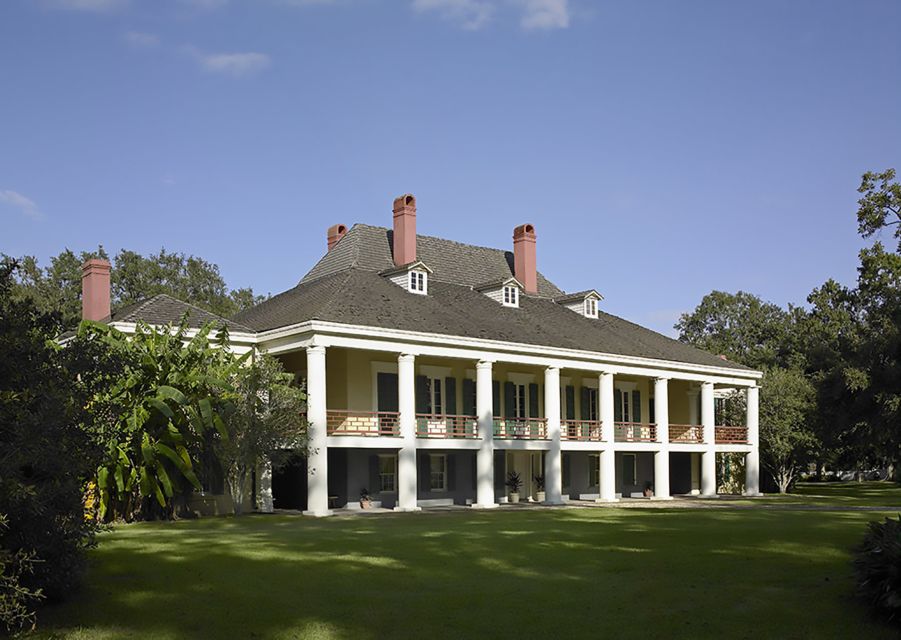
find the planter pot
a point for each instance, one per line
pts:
(648, 493)
(514, 498)
(366, 504)
(540, 496)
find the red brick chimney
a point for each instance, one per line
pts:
(525, 266)
(404, 230)
(335, 233)
(95, 289)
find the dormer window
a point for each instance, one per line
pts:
(591, 307)
(585, 303)
(418, 282)
(511, 296)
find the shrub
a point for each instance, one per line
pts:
(877, 565)
(17, 602)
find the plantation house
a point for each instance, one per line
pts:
(435, 369)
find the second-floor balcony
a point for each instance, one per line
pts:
(581, 430)
(342, 422)
(634, 432)
(686, 433)
(520, 428)
(446, 426)
(731, 435)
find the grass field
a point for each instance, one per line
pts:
(511, 573)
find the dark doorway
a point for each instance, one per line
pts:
(289, 485)
(679, 473)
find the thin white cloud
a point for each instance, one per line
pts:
(234, 64)
(474, 14)
(97, 6)
(469, 14)
(141, 40)
(544, 14)
(22, 203)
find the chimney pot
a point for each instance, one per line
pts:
(525, 265)
(95, 289)
(335, 233)
(404, 229)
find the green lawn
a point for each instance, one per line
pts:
(558, 573)
(845, 494)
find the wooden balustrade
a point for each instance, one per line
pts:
(686, 433)
(520, 428)
(634, 432)
(731, 435)
(582, 430)
(446, 426)
(340, 422)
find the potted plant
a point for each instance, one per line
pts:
(514, 481)
(648, 489)
(365, 499)
(539, 482)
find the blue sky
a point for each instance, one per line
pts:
(662, 149)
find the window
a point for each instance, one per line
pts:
(519, 401)
(436, 403)
(418, 282)
(511, 296)
(594, 470)
(437, 472)
(591, 307)
(592, 405)
(629, 470)
(388, 474)
(624, 404)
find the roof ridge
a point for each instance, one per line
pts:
(422, 235)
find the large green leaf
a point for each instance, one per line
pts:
(171, 393)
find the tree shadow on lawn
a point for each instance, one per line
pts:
(576, 573)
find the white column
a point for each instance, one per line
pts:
(264, 492)
(661, 456)
(708, 458)
(752, 459)
(553, 468)
(317, 460)
(406, 457)
(608, 457)
(485, 454)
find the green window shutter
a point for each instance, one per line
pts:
(565, 463)
(570, 410)
(423, 400)
(469, 397)
(496, 397)
(500, 471)
(509, 400)
(422, 470)
(450, 396)
(387, 391)
(451, 472)
(652, 411)
(617, 406)
(585, 403)
(636, 406)
(533, 400)
(374, 483)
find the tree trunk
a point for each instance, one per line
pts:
(237, 481)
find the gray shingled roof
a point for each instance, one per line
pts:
(362, 297)
(164, 309)
(370, 249)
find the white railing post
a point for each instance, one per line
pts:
(752, 459)
(661, 456)
(317, 461)
(553, 468)
(406, 457)
(485, 454)
(708, 458)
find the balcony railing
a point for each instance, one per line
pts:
(446, 426)
(340, 422)
(634, 432)
(731, 435)
(521, 428)
(686, 433)
(585, 430)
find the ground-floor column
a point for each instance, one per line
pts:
(752, 459)
(406, 457)
(264, 491)
(553, 468)
(317, 460)
(607, 489)
(708, 458)
(661, 456)
(485, 454)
